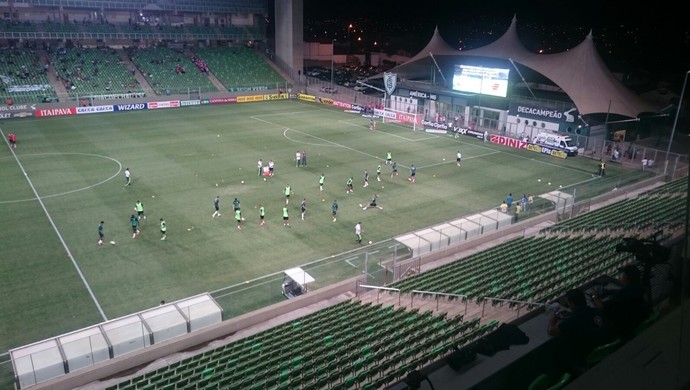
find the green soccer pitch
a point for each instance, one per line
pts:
(54, 278)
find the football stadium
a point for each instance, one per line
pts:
(186, 205)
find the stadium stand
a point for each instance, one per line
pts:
(171, 71)
(23, 77)
(86, 72)
(240, 68)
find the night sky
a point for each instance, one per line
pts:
(652, 39)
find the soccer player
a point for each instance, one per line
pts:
(139, 207)
(13, 140)
(366, 178)
(236, 204)
(321, 180)
(134, 220)
(413, 173)
(303, 208)
(286, 219)
(238, 217)
(216, 205)
(358, 232)
(100, 233)
(373, 203)
(349, 185)
(394, 169)
(334, 209)
(128, 177)
(458, 157)
(298, 158)
(287, 191)
(262, 215)
(304, 158)
(260, 166)
(389, 158)
(372, 124)
(164, 229)
(271, 164)
(378, 172)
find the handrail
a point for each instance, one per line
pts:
(525, 303)
(437, 295)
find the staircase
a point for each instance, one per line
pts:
(57, 85)
(137, 74)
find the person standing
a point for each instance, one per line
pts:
(394, 169)
(518, 208)
(134, 220)
(13, 140)
(486, 136)
(260, 166)
(101, 235)
(128, 177)
(458, 157)
(139, 207)
(262, 215)
(235, 204)
(304, 158)
(523, 202)
(334, 209)
(378, 172)
(366, 178)
(372, 124)
(164, 229)
(322, 179)
(298, 158)
(413, 174)
(602, 167)
(509, 200)
(358, 232)
(287, 191)
(286, 219)
(216, 205)
(271, 165)
(348, 184)
(303, 208)
(238, 217)
(389, 158)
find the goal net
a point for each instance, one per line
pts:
(389, 115)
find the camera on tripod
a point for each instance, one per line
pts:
(648, 252)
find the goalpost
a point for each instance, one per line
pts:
(389, 115)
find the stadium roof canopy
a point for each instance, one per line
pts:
(579, 72)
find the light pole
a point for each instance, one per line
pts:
(675, 121)
(332, 55)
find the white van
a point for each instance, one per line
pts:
(557, 141)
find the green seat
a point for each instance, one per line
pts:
(601, 352)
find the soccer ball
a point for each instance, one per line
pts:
(360, 205)
(370, 242)
(242, 182)
(112, 242)
(264, 179)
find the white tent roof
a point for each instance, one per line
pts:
(580, 72)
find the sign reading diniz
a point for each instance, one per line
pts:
(507, 141)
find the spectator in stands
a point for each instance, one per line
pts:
(627, 308)
(579, 328)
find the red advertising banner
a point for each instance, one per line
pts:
(56, 112)
(168, 104)
(344, 105)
